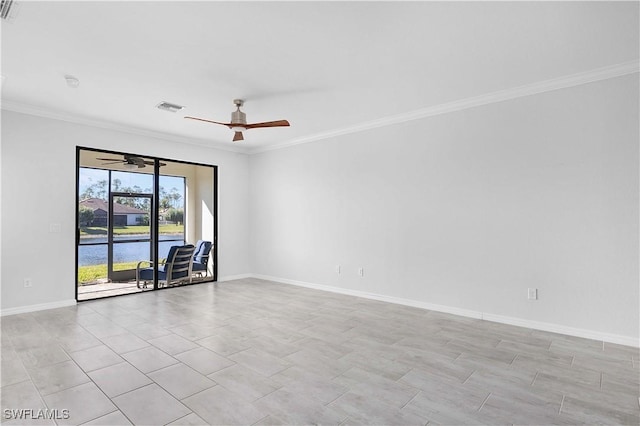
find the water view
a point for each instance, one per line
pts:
(122, 252)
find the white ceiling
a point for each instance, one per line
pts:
(324, 66)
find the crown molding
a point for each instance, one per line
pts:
(70, 118)
(564, 82)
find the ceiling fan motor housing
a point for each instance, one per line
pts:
(238, 117)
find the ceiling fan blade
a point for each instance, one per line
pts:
(109, 159)
(238, 137)
(209, 121)
(278, 123)
(112, 162)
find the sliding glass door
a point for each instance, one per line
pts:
(131, 211)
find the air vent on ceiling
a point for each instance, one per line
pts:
(8, 9)
(167, 106)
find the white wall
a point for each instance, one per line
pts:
(38, 189)
(469, 209)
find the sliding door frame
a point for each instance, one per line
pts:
(155, 213)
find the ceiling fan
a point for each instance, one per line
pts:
(130, 162)
(239, 122)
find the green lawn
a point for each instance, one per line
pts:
(129, 230)
(94, 272)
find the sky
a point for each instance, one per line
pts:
(89, 177)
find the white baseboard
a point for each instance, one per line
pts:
(520, 322)
(38, 307)
(563, 329)
(234, 277)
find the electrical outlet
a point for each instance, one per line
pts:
(532, 294)
(27, 283)
(338, 269)
(361, 272)
(54, 227)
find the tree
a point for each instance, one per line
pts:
(97, 190)
(88, 193)
(144, 204)
(101, 189)
(175, 215)
(174, 197)
(85, 216)
(165, 200)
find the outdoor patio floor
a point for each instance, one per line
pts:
(106, 289)
(94, 291)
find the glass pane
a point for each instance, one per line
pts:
(127, 255)
(138, 182)
(172, 202)
(130, 222)
(93, 208)
(131, 218)
(92, 263)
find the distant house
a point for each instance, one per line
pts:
(122, 215)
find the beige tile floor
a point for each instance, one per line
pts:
(256, 352)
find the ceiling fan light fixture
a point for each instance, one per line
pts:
(130, 166)
(238, 128)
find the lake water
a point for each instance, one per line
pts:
(125, 252)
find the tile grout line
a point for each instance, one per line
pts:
(484, 402)
(514, 358)
(534, 378)
(254, 423)
(561, 404)
(408, 402)
(334, 399)
(98, 387)
(46, 406)
(467, 379)
(124, 360)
